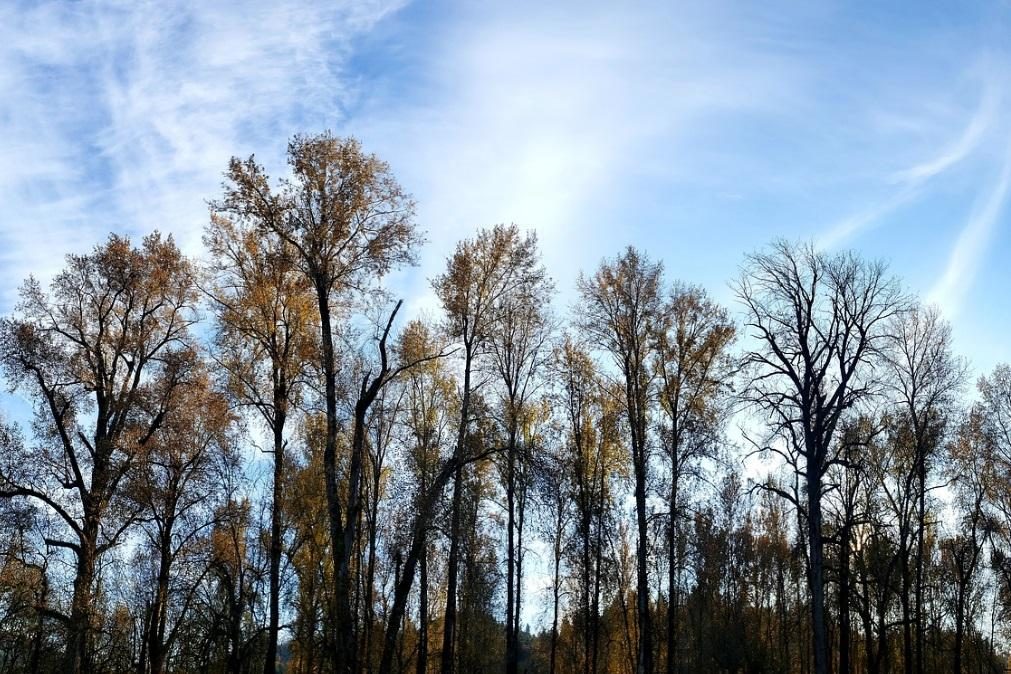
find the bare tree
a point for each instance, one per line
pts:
(971, 468)
(556, 507)
(174, 484)
(519, 351)
(926, 379)
(429, 413)
(819, 324)
(589, 414)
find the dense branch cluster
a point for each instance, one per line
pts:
(253, 463)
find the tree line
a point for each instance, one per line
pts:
(804, 482)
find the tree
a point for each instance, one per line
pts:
(693, 369)
(25, 595)
(102, 356)
(234, 576)
(926, 378)
(435, 458)
(480, 278)
(621, 306)
(372, 383)
(428, 416)
(994, 416)
(308, 554)
(556, 508)
(348, 222)
(884, 504)
(588, 417)
(970, 465)
(174, 485)
(519, 351)
(819, 324)
(265, 326)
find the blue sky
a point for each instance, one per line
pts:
(698, 131)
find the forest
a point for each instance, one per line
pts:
(251, 461)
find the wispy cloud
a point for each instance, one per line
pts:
(979, 124)
(970, 248)
(582, 122)
(909, 183)
(849, 226)
(120, 116)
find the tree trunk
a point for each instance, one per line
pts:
(270, 658)
(870, 657)
(598, 570)
(844, 602)
(452, 576)
(817, 569)
(556, 594)
(637, 422)
(921, 527)
(644, 657)
(36, 660)
(370, 576)
(907, 616)
(402, 588)
(519, 574)
(78, 650)
(235, 641)
(672, 570)
(423, 608)
(959, 631)
(159, 610)
(344, 645)
(453, 564)
(511, 660)
(587, 604)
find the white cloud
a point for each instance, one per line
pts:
(958, 150)
(122, 116)
(852, 224)
(910, 182)
(971, 246)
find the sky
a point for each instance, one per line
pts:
(698, 132)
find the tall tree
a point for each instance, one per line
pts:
(970, 465)
(265, 327)
(348, 222)
(519, 351)
(926, 377)
(102, 356)
(372, 384)
(174, 484)
(480, 277)
(819, 324)
(553, 495)
(693, 369)
(588, 416)
(620, 310)
(305, 506)
(234, 575)
(428, 417)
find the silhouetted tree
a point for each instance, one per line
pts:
(819, 322)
